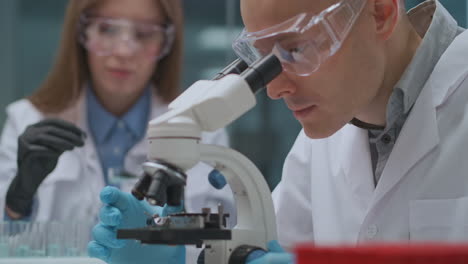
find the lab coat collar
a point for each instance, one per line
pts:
(354, 163)
(419, 135)
(102, 122)
(438, 29)
(421, 130)
(77, 115)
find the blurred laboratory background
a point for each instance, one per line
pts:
(29, 35)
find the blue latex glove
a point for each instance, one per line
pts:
(275, 255)
(122, 210)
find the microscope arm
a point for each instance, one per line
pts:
(256, 223)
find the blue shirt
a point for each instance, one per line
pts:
(115, 136)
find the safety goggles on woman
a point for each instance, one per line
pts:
(102, 36)
(303, 42)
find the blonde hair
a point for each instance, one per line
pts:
(70, 72)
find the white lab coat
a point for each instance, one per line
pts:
(327, 194)
(71, 191)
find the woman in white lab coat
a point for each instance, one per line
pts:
(118, 66)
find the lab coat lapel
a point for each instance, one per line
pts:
(355, 162)
(418, 136)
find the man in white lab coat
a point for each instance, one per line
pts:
(382, 153)
(382, 98)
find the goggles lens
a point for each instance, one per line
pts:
(103, 36)
(303, 42)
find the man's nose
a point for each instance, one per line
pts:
(280, 87)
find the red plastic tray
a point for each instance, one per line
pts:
(384, 254)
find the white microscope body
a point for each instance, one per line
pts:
(174, 138)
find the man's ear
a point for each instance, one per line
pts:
(386, 14)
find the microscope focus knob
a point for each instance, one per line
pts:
(240, 254)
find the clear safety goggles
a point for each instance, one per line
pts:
(103, 36)
(303, 42)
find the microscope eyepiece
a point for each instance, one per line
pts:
(261, 72)
(236, 67)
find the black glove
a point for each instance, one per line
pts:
(39, 149)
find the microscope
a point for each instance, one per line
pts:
(175, 147)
